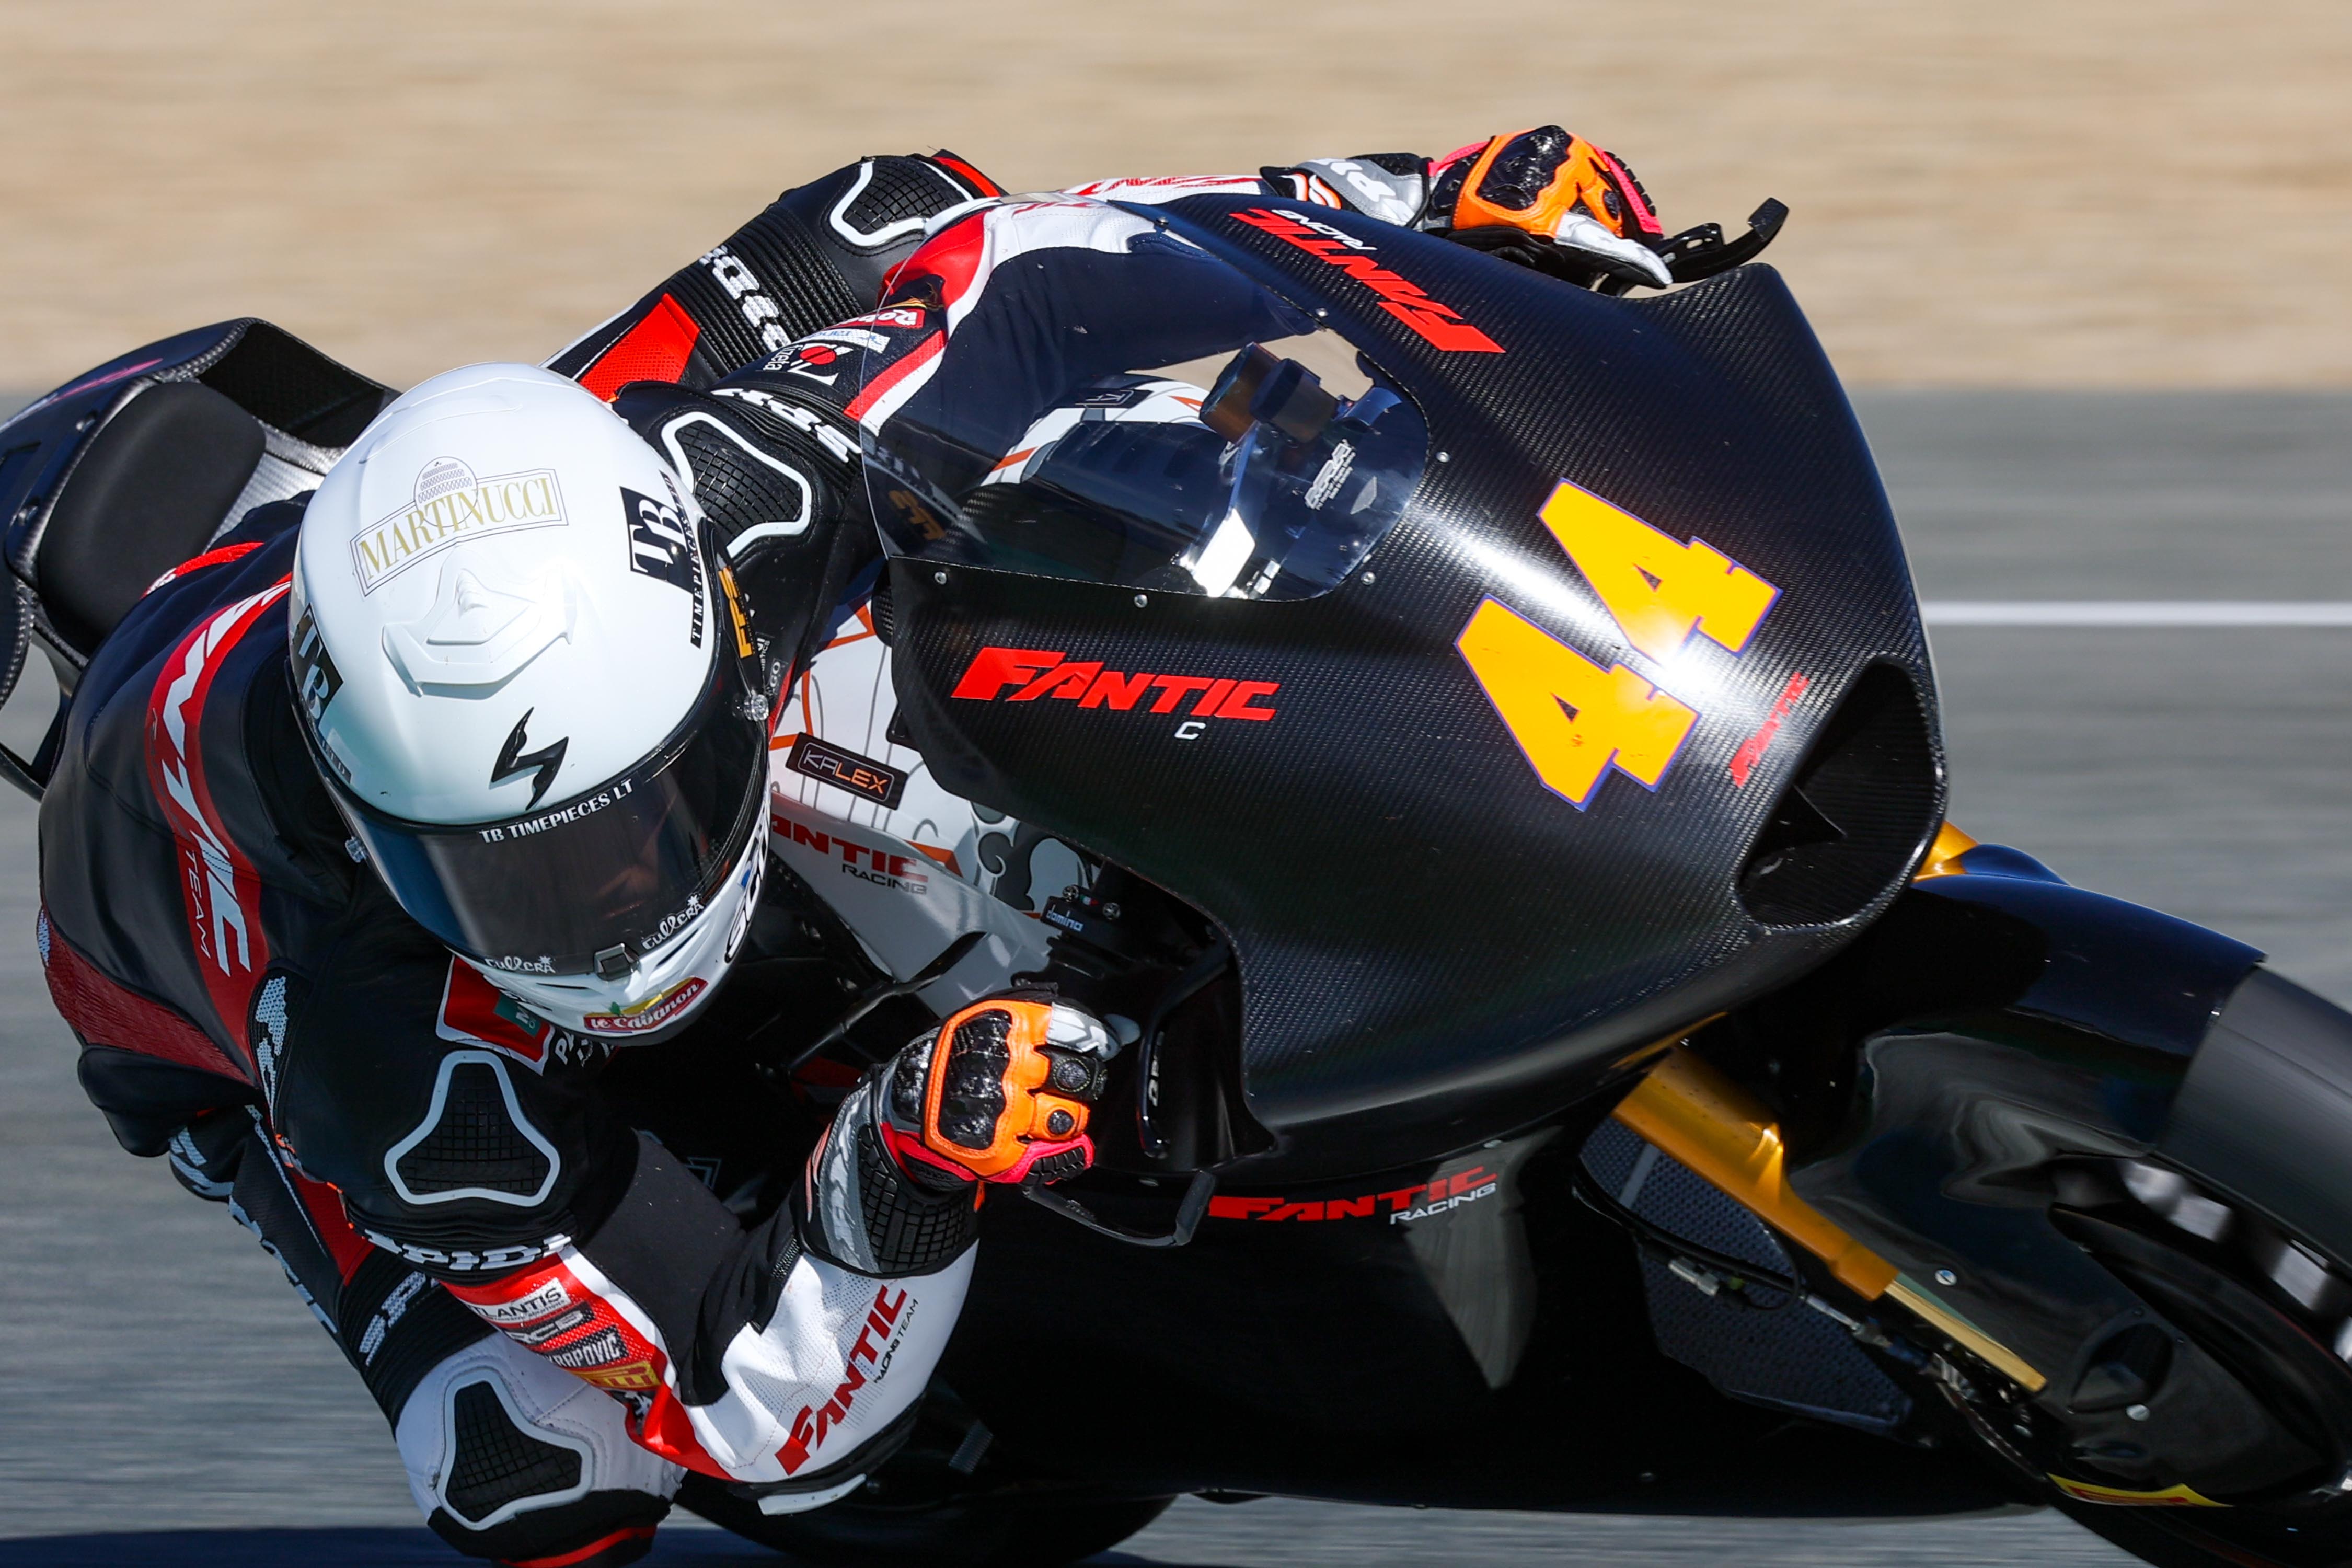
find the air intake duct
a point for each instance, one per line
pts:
(1853, 819)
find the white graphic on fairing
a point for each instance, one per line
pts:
(908, 880)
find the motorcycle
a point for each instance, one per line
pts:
(1481, 733)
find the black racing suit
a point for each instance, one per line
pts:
(435, 1167)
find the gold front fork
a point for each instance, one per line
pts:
(1700, 1117)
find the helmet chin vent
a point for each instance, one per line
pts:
(613, 963)
(1854, 817)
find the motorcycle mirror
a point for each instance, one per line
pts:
(1256, 388)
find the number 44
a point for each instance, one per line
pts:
(1573, 717)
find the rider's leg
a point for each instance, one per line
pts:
(509, 1458)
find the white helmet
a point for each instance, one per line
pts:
(523, 670)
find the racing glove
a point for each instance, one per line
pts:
(1552, 200)
(1000, 1092)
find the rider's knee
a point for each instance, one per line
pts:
(516, 1461)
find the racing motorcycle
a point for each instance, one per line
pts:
(1472, 738)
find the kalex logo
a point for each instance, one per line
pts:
(1026, 675)
(1436, 323)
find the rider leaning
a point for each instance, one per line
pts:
(382, 824)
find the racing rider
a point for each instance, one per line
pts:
(352, 932)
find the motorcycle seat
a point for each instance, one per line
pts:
(138, 465)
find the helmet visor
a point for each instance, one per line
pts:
(592, 884)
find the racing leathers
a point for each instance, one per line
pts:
(562, 1263)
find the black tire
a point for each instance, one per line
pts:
(1040, 1529)
(2261, 1131)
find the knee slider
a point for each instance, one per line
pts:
(513, 1459)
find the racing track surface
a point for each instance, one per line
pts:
(168, 1400)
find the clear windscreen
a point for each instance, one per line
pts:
(1131, 410)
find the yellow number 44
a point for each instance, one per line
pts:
(1657, 587)
(1573, 717)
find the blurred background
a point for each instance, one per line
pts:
(2084, 262)
(2047, 193)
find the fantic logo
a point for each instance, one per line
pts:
(1439, 325)
(1751, 750)
(1401, 1204)
(878, 1338)
(882, 868)
(449, 505)
(1024, 674)
(219, 889)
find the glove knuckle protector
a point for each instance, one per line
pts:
(1001, 1092)
(1536, 179)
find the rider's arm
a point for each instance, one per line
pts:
(782, 1354)
(1556, 188)
(1391, 186)
(814, 255)
(819, 252)
(790, 1355)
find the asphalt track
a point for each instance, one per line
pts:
(169, 1401)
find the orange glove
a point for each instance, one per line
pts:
(1000, 1092)
(1558, 187)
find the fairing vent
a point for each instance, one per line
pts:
(1855, 816)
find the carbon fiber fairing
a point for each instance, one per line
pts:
(1451, 917)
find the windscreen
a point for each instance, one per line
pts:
(1102, 400)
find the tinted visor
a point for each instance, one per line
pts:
(591, 884)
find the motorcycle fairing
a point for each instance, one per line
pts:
(1800, 1361)
(1371, 1345)
(1435, 945)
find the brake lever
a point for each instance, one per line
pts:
(1189, 1213)
(865, 1004)
(1702, 252)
